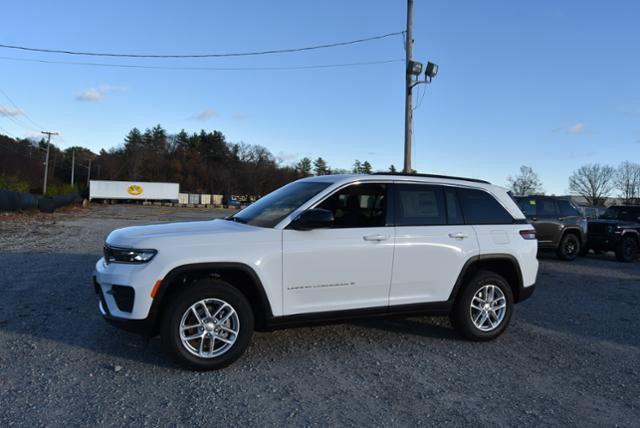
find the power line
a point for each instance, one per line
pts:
(207, 55)
(162, 67)
(21, 111)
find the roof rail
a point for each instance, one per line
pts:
(404, 174)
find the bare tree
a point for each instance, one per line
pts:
(594, 182)
(627, 180)
(525, 183)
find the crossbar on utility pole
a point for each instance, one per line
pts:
(408, 100)
(46, 161)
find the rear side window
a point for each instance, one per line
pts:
(480, 207)
(419, 205)
(527, 206)
(454, 211)
(546, 207)
(566, 209)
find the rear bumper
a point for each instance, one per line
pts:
(143, 326)
(525, 292)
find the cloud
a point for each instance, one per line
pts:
(576, 129)
(206, 115)
(239, 116)
(95, 95)
(287, 156)
(10, 111)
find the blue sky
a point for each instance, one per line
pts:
(550, 84)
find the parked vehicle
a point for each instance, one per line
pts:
(322, 249)
(618, 229)
(559, 224)
(130, 190)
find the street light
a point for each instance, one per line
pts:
(431, 71)
(415, 68)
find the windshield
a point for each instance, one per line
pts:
(273, 208)
(621, 213)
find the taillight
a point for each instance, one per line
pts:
(528, 234)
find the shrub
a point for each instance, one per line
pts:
(8, 182)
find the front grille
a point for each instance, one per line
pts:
(124, 297)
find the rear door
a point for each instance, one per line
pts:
(546, 222)
(432, 243)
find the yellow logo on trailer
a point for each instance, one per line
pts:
(134, 190)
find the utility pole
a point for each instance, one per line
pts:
(89, 172)
(73, 164)
(413, 70)
(46, 161)
(408, 100)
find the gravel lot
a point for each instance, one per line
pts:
(571, 355)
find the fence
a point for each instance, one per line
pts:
(18, 201)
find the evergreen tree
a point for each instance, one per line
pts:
(357, 167)
(366, 168)
(304, 167)
(392, 168)
(320, 167)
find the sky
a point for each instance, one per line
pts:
(548, 84)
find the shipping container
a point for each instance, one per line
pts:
(216, 199)
(183, 198)
(138, 190)
(205, 199)
(194, 198)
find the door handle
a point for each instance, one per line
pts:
(376, 238)
(458, 235)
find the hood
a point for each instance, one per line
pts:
(135, 235)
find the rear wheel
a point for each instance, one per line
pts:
(569, 247)
(208, 326)
(483, 311)
(627, 249)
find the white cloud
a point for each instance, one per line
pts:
(578, 128)
(239, 116)
(10, 111)
(206, 115)
(94, 95)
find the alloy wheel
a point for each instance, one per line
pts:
(488, 308)
(209, 328)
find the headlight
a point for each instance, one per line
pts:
(127, 255)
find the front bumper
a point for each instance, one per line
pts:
(143, 326)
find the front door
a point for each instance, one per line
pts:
(347, 266)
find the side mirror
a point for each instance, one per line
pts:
(316, 218)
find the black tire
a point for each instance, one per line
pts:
(180, 304)
(461, 316)
(569, 247)
(627, 249)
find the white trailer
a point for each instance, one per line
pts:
(138, 190)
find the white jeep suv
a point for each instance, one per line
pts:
(322, 249)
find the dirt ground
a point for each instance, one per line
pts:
(570, 357)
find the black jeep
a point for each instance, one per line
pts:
(618, 229)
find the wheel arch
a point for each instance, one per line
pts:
(240, 275)
(504, 265)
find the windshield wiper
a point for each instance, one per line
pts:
(236, 219)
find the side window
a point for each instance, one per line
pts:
(528, 206)
(419, 205)
(359, 205)
(454, 211)
(546, 207)
(480, 207)
(566, 209)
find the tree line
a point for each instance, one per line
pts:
(594, 182)
(202, 162)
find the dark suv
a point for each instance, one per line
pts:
(558, 223)
(618, 229)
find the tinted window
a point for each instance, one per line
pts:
(566, 209)
(359, 205)
(480, 207)
(454, 211)
(528, 206)
(419, 205)
(273, 208)
(546, 207)
(621, 213)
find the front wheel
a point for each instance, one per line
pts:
(569, 247)
(627, 250)
(208, 326)
(484, 309)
